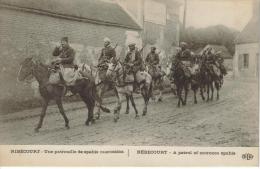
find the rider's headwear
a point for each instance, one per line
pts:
(153, 47)
(106, 39)
(183, 44)
(66, 39)
(131, 44)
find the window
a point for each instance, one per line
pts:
(246, 60)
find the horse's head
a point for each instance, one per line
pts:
(113, 67)
(26, 69)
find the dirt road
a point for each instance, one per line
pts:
(231, 121)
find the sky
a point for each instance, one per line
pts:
(232, 13)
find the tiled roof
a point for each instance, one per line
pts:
(250, 34)
(96, 11)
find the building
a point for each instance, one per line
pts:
(160, 22)
(228, 58)
(33, 28)
(246, 58)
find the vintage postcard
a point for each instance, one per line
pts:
(129, 82)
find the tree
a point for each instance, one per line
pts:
(217, 35)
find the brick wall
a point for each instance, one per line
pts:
(25, 34)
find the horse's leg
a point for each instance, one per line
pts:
(217, 84)
(60, 106)
(118, 107)
(195, 96)
(99, 93)
(212, 91)
(90, 102)
(145, 95)
(152, 91)
(134, 106)
(179, 92)
(202, 93)
(127, 105)
(160, 90)
(208, 91)
(43, 113)
(186, 91)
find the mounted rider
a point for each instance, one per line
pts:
(220, 61)
(63, 69)
(107, 53)
(133, 65)
(152, 61)
(211, 63)
(183, 59)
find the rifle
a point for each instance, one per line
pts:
(141, 50)
(115, 46)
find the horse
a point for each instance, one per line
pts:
(208, 80)
(84, 87)
(169, 77)
(126, 89)
(182, 83)
(196, 82)
(102, 86)
(157, 79)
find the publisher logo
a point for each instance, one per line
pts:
(247, 156)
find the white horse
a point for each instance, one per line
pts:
(115, 69)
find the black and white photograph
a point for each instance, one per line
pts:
(177, 73)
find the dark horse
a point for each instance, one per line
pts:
(84, 87)
(196, 82)
(208, 80)
(181, 81)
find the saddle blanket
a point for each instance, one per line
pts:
(70, 75)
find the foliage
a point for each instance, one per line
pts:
(217, 35)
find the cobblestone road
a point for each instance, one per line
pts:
(231, 121)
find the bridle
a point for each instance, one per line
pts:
(31, 72)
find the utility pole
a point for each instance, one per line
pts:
(184, 21)
(184, 14)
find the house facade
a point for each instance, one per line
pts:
(246, 58)
(160, 22)
(33, 28)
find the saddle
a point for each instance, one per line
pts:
(214, 70)
(64, 76)
(185, 69)
(154, 71)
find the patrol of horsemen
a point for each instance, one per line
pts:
(133, 75)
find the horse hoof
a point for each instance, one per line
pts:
(195, 102)
(98, 117)
(144, 114)
(183, 104)
(67, 127)
(127, 112)
(137, 117)
(36, 130)
(115, 120)
(87, 123)
(160, 100)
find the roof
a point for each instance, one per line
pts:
(216, 48)
(250, 34)
(95, 11)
